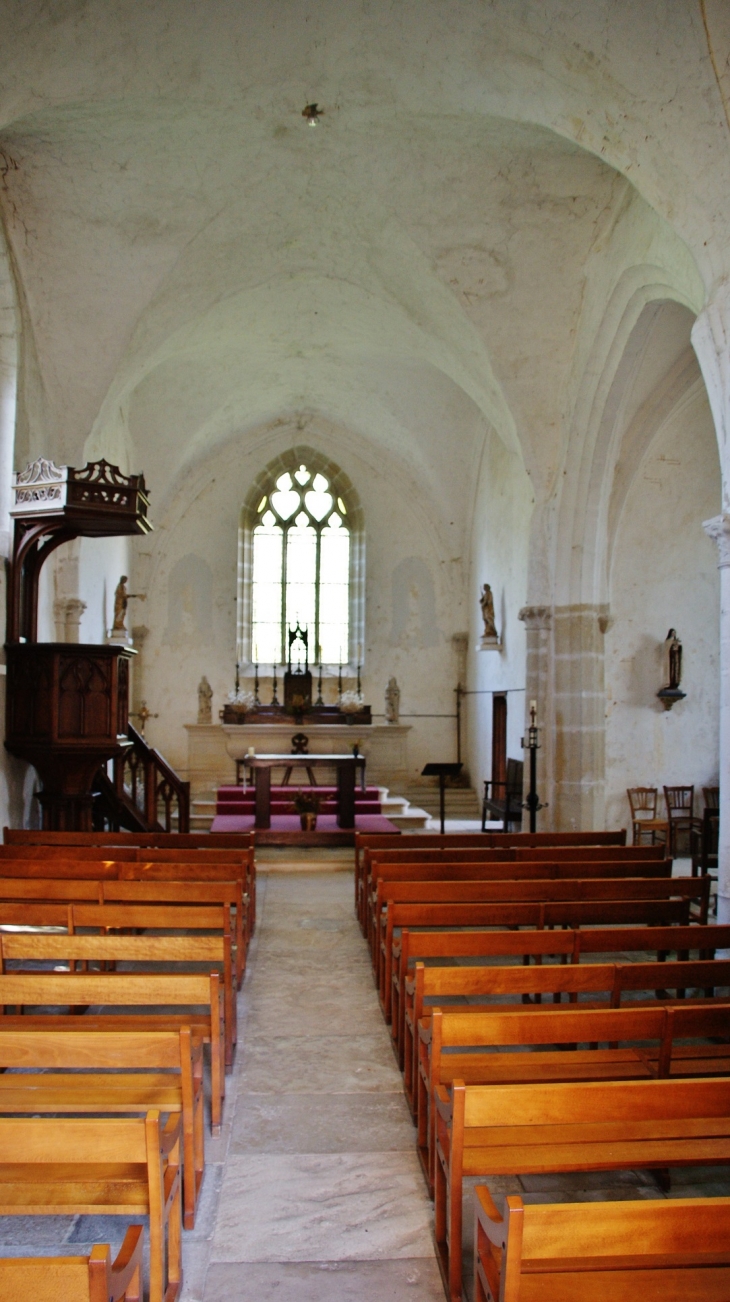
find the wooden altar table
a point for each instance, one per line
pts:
(346, 765)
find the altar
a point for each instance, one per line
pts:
(214, 748)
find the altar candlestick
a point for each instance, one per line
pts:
(274, 699)
(359, 686)
(319, 700)
(256, 685)
(339, 677)
(238, 678)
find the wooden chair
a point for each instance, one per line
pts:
(68, 1072)
(505, 801)
(680, 811)
(678, 1251)
(95, 1278)
(485, 1130)
(706, 859)
(644, 821)
(105, 1166)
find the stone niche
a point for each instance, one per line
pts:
(213, 748)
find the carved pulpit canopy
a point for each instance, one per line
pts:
(52, 505)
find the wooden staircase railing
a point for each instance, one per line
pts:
(145, 793)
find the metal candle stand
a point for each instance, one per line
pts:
(274, 698)
(532, 804)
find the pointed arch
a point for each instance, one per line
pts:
(301, 505)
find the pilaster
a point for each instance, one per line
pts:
(719, 530)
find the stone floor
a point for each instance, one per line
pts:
(314, 1190)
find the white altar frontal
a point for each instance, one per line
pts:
(214, 748)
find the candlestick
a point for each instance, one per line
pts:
(359, 687)
(339, 677)
(319, 700)
(238, 678)
(274, 699)
(256, 700)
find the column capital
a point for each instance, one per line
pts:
(718, 528)
(536, 616)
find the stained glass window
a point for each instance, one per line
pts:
(301, 569)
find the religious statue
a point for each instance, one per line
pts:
(486, 601)
(121, 597)
(205, 696)
(392, 701)
(674, 658)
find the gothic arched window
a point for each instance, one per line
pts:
(302, 536)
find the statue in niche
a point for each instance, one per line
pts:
(205, 696)
(486, 601)
(674, 658)
(121, 597)
(392, 701)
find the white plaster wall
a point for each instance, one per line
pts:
(499, 554)
(414, 592)
(664, 574)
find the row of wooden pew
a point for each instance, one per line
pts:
(102, 1094)
(475, 945)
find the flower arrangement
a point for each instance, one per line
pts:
(306, 802)
(242, 701)
(350, 702)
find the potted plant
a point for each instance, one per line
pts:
(306, 805)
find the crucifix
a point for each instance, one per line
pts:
(143, 714)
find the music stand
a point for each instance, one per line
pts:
(442, 772)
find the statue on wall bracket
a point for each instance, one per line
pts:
(671, 692)
(490, 640)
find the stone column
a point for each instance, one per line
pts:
(719, 530)
(579, 764)
(67, 612)
(538, 627)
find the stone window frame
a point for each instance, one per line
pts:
(341, 486)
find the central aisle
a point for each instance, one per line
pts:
(321, 1194)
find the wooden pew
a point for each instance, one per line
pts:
(160, 1070)
(124, 917)
(484, 1130)
(214, 952)
(490, 946)
(570, 946)
(114, 890)
(427, 854)
(463, 840)
(120, 990)
(501, 870)
(676, 1251)
(523, 888)
(95, 1278)
(560, 913)
(465, 1034)
(490, 988)
(99, 1166)
(161, 840)
(89, 869)
(202, 865)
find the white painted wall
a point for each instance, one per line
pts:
(499, 553)
(664, 574)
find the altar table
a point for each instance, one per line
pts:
(346, 765)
